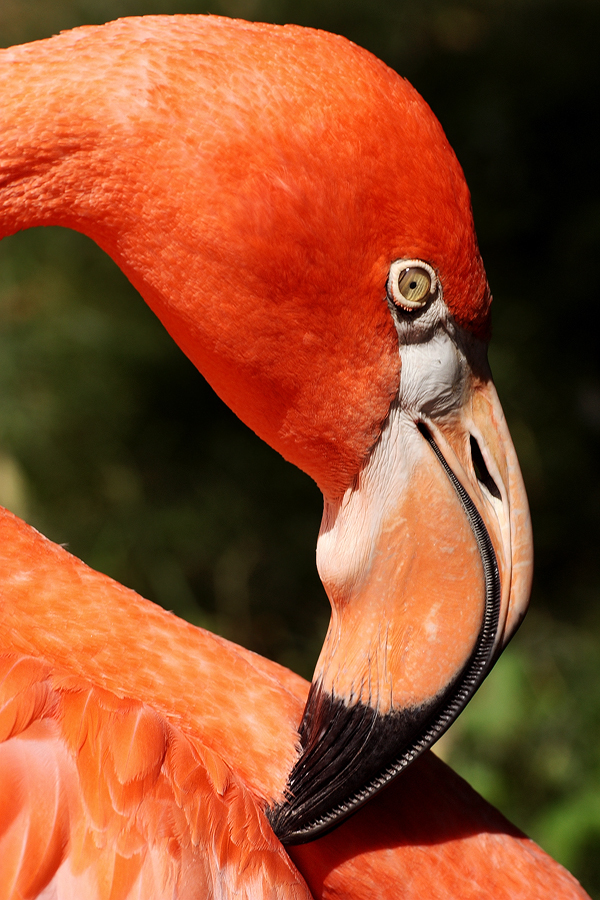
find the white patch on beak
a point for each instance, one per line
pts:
(433, 376)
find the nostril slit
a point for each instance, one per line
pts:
(481, 470)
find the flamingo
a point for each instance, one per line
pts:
(291, 210)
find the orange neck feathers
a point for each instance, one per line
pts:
(193, 154)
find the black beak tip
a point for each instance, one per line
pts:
(348, 754)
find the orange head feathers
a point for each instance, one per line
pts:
(254, 183)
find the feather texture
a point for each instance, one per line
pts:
(102, 797)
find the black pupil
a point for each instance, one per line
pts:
(412, 285)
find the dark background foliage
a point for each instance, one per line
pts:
(110, 441)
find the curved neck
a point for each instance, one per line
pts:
(58, 113)
(74, 134)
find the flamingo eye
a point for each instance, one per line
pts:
(411, 283)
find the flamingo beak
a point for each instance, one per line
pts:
(427, 560)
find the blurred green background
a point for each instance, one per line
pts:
(111, 442)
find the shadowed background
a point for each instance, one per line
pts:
(111, 442)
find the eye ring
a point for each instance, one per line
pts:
(411, 284)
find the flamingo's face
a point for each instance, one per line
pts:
(427, 560)
(292, 211)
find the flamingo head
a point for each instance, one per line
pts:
(292, 211)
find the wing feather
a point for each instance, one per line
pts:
(101, 797)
